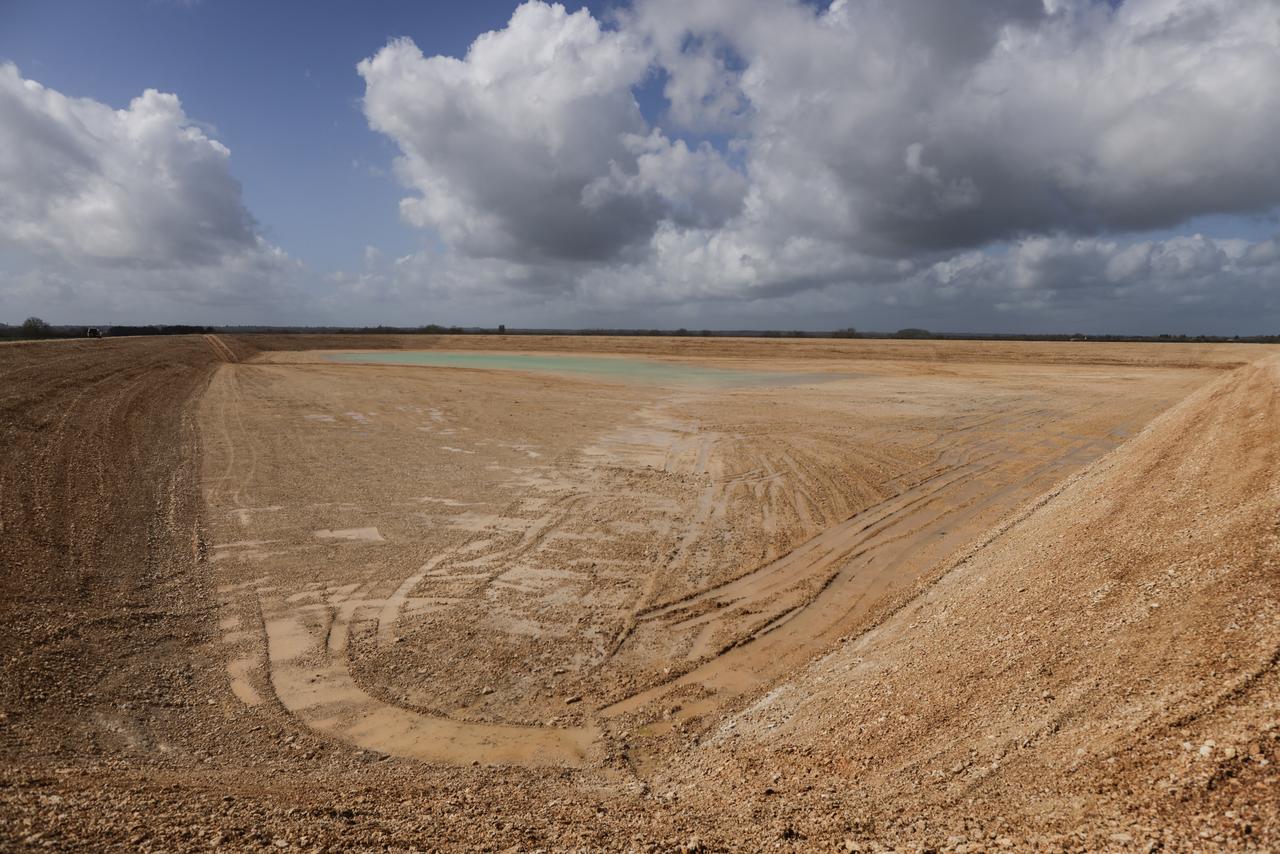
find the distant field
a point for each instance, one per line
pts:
(640, 587)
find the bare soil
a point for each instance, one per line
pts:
(931, 595)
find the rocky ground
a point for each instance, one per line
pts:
(1094, 671)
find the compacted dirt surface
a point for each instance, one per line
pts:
(638, 594)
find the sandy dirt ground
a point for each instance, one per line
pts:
(940, 596)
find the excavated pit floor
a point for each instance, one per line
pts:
(556, 560)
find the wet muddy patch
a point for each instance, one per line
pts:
(618, 368)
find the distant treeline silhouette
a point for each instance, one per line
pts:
(34, 328)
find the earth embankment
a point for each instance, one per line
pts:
(99, 511)
(1101, 671)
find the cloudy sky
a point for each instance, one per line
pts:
(962, 165)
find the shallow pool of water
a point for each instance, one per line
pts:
(624, 368)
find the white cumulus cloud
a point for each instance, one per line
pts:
(117, 207)
(969, 164)
(910, 146)
(533, 146)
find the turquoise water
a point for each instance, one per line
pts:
(624, 368)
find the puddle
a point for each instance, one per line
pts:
(239, 669)
(311, 678)
(623, 368)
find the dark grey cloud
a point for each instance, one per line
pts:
(902, 127)
(977, 164)
(873, 143)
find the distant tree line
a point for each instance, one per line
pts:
(178, 329)
(35, 328)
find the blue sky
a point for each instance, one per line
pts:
(782, 183)
(276, 80)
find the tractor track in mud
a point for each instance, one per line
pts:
(245, 599)
(739, 633)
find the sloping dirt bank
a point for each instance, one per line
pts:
(99, 509)
(1102, 673)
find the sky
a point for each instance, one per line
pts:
(961, 165)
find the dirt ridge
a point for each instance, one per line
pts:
(1065, 747)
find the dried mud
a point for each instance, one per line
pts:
(947, 596)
